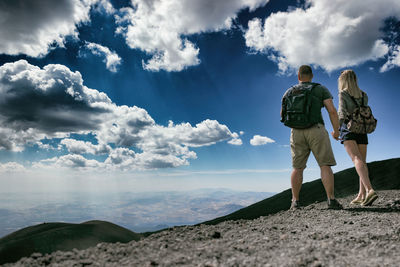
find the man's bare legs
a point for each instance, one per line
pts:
(296, 180)
(328, 181)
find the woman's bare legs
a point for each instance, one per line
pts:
(363, 151)
(358, 155)
(362, 192)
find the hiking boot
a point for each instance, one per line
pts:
(295, 205)
(357, 201)
(371, 197)
(333, 204)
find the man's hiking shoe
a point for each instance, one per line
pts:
(333, 204)
(371, 197)
(295, 205)
(357, 201)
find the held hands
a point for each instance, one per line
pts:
(335, 135)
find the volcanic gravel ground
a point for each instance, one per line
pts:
(311, 236)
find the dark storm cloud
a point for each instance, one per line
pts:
(31, 26)
(52, 111)
(51, 100)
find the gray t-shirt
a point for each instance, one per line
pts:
(320, 94)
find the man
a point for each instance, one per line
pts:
(313, 138)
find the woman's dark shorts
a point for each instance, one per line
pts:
(345, 135)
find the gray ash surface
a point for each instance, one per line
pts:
(311, 236)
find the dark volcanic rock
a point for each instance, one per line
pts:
(311, 236)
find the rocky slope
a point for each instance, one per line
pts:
(312, 236)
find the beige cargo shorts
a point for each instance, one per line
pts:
(315, 139)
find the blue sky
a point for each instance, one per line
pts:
(168, 94)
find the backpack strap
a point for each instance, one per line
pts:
(355, 101)
(313, 86)
(362, 99)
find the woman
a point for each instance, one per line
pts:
(355, 144)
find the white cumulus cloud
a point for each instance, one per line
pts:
(160, 27)
(71, 161)
(82, 147)
(110, 58)
(393, 60)
(103, 6)
(52, 103)
(259, 140)
(236, 141)
(32, 27)
(329, 34)
(11, 167)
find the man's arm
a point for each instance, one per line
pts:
(333, 116)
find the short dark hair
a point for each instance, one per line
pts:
(305, 70)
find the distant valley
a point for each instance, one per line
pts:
(139, 212)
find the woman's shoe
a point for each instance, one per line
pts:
(370, 198)
(357, 201)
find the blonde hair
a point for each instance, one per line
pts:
(348, 82)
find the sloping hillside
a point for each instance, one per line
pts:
(49, 237)
(384, 175)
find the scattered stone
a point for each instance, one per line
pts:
(36, 255)
(216, 235)
(86, 262)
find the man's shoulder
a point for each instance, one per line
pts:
(319, 86)
(322, 91)
(297, 86)
(288, 91)
(307, 85)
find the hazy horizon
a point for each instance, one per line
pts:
(138, 212)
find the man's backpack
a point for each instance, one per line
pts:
(361, 120)
(297, 107)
